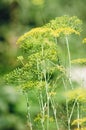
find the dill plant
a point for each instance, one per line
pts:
(42, 75)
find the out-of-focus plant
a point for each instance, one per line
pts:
(12, 109)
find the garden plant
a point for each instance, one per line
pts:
(54, 101)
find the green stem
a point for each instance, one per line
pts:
(43, 111)
(47, 98)
(28, 111)
(69, 60)
(67, 106)
(46, 87)
(41, 103)
(78, 125)
(72, 110)
(69, 57)
(54, 112)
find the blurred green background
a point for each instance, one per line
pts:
(16, 18)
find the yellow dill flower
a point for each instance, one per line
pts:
(84, 40)
(79, 94)
(66, 22)
(36, 32)
(80, 61)
(29, 85)
(80, 121)
(65, 31)
(65, 25)
(38, 2)
(83, 128)
(39, 30)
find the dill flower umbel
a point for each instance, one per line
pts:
(84, 40)
(66, 24)
(65, 31)
(80, 121)
(79, 94)
(79, 61)
(36, 32)
(83, 128)
(62, 25)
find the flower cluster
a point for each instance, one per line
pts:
(83, 128)
(66, 22)
(79, 94)
(61, 25)
(79, 61)
(65, 31)
(84, 40)
(35, 33)
(80, 121)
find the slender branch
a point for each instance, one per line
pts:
(46, 87)
(28, 111)
(41, 103)
(54, 111)
(67, 106)
(78, 115)
(69, 57)
(47, 94)
(72, 110)
(43, 111)
(69, 60)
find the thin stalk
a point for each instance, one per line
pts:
(42, 50)
(54, 112)
(46, 87)
(47, 94)
(67, 106)
(43, 111)
(41, 103)
(69, 60)
(47, 98)
(72, 109)
(78, 115)
(28, 111)
(69, 57)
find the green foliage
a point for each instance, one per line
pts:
(40, 49)
(30, 75)
(42, 72)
